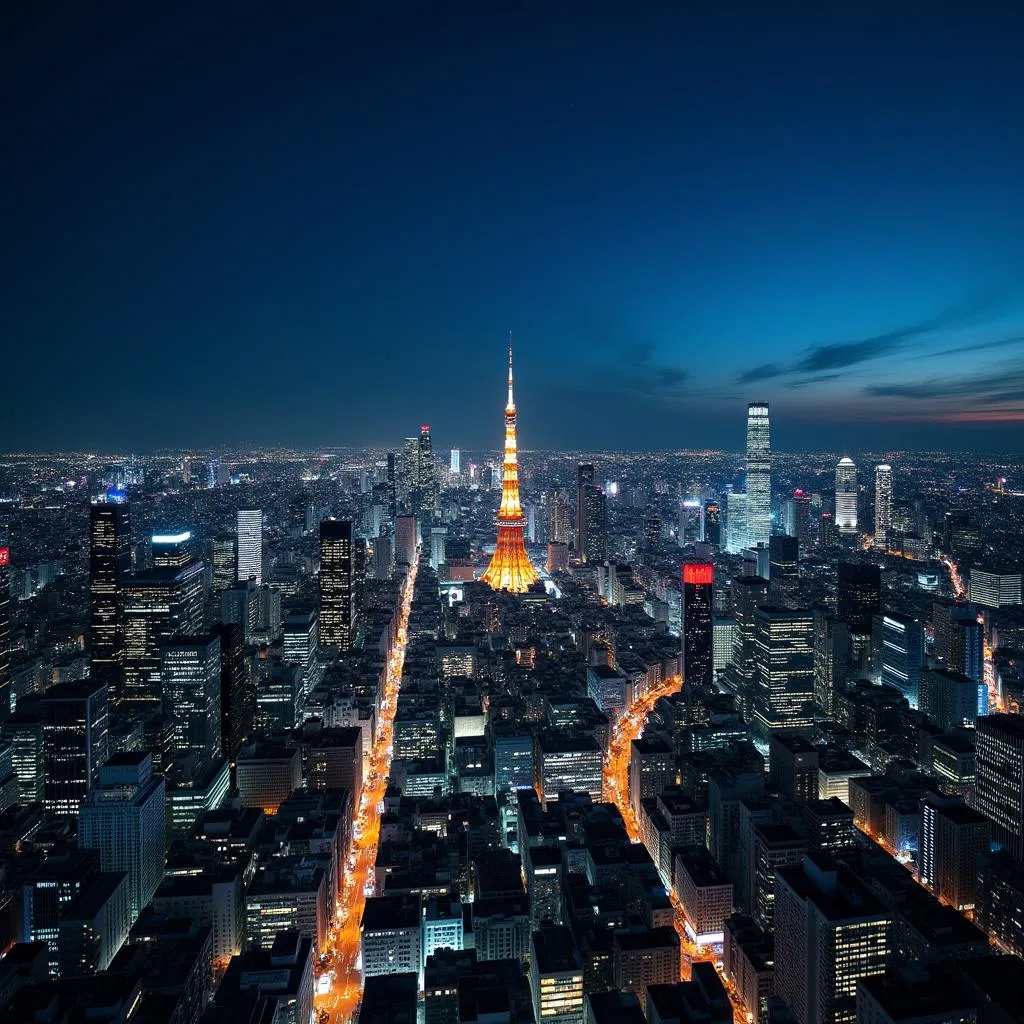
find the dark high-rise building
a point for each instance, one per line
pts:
(713, 523)
(965, 648)
(783, 569)
(827, 533)
(75, 740)
(784, 660)
(831, 659)
(337, 584)
(595, 512)
(234, 722)
(5, 632)
(190, 667)
(426, 476)
(158, 604)
(392, 486)
(748, 592)
(110, 563)
(698, 625)
(225, 562)
(900, 646)
(584, 479)
(171, 550)
(859, 596)
(999, 785)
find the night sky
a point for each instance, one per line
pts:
(318, 228)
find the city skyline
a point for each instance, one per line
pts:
(665, 219)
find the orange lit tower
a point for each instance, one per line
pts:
(510, 568)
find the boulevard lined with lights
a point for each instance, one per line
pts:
(342, 1002)
(616, 790)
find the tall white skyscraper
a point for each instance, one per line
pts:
(759, 475)
(456, 458)
(883, 504)
(250, 545)
(735, 522)
(846, 497)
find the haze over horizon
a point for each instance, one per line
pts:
(316, 230)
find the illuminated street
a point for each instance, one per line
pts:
(616, 790)
(616, 787)
(343, 999)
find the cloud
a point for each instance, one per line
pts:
(763, 372)
(804, 382)
(1015, 339)
(989, 388)
(842, 355)
(631, 366)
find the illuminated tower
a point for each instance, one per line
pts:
(698, 625)
(883, 504)
(759, 475)
(846, 496)
(510, 568)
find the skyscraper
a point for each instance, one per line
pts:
(426, 474)
(698, 625)
(595, 514)
(831, 659)
(796, 517)
(999, 789)
(900, 641)
(759, 479)
(559, 518)
(191, 668)
(171, 550)
(584, 479)
(712, 523)
(124, 820)
(735, 522)
(224, 562)
(235, 713)
(337, 588)
(456, 460)
(110, 563)
(883, 504)
(846, 497)
(250, 545)
(859, 596)
(158, 604)
(75, 740)
(510, 567)
(784, 668)
(5, 632)
(748, 593)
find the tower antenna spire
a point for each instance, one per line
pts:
(510, 568)
(511, 401)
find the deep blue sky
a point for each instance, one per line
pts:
(319, 227)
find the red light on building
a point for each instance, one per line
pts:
(698, 572)
(5, 557)
(798, 493)
(425, 428)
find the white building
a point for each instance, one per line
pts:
(392, 936)
(124, 819)
(442, 926)
(759, 475)
(250, 545)
(846, 497)
(883, 504)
